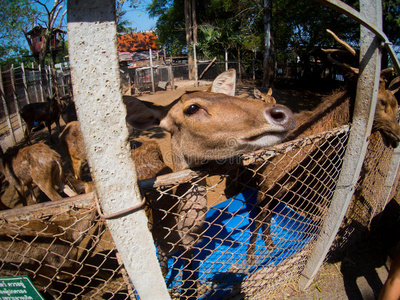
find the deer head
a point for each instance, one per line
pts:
(213, 125)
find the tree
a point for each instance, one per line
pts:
(273, 32)
(47, 20)
(15, 15)
(170, 24)
(391, 25)
(268, 62)
(191, 33)
(123, 26)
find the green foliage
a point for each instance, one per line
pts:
(21, 56)
(299, 27)
(123, 25)
(391, 20)
(15, 15)
(170, 27)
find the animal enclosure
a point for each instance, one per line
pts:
(69, 250)
(57, 237)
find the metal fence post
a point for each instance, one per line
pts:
(97, 93)
(151, 71)
(367, 90)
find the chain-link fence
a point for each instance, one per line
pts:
(65, 249)
(263, 213)
(21, 85)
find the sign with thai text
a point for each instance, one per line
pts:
(18, 288)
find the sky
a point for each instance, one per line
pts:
(139, 17)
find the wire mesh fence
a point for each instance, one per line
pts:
(370, 197)
(65, 249)
(262, 213)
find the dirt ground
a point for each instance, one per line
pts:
(355, 273)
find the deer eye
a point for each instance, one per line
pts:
(192, 109)
(382, 102)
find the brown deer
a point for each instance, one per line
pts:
(48, 112)
(146, 154)
(205, 126)
(37, 164)
(267, 98)
(285, 180)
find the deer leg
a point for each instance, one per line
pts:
(27, 132)
(3, 206)
(163, 258)
(77, 167)
(48, 124)
(189, 278)
(64, 187)
(48, 189)
(21, 195)
(59, 179)
(263, 216)
(57, 121)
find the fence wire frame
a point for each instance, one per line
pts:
(70, 232)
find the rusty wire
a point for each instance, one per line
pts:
(68, 252)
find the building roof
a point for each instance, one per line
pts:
(38, 30)
(138, 41)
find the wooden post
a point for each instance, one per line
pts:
(41, 84)
(24, 81)
(15, 97)
(3, 100)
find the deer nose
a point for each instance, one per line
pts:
(282, 116)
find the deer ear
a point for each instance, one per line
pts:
(225, 83)
(139, 116)
(394, 86)
(267, 98)
(257, 93)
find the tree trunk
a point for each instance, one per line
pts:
(268, 63)
(189, 36)
(239, 66)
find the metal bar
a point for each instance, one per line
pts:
(101, 112)
(151, 71)
(364, 110)
(363, 20)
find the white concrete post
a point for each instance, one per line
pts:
(101, 113)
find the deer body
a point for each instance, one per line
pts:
(48, 112)
(37, 164)
(147, 154)
(334, 111)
